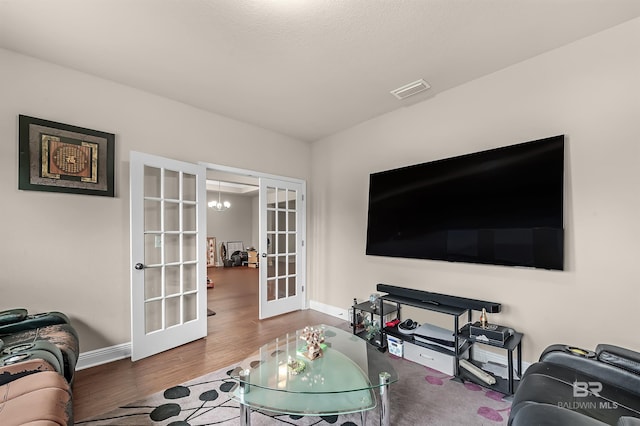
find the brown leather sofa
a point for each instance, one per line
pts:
(38, 354)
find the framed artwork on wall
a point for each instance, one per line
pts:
(57, 157)
(211, 251)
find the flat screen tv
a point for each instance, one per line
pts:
(503, 206)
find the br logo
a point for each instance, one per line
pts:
(582, 389)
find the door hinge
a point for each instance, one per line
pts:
(303, 289)
(302, 243)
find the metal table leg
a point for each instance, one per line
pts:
(520, 360)
(510, 373)
(245, 411)
(385, 415)
(363, 417)
(245, 415)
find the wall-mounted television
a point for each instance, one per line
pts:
(503, 206)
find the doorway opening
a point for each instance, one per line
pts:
(269, 226)
(232, 237)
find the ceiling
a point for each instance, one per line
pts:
(303, 68)
(230, 183)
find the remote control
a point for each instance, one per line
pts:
(479, 373)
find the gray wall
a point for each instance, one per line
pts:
(588, 91)
(69, 252)
(235, 224)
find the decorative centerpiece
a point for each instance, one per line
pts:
(374, 299)
(314, 338)
(296, 366)
(372, 328)
(483, 318)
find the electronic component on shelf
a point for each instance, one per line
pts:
(392, 323)
(408, 326)
(479, 373)
(490, 332)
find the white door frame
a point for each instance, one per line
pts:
(256, 174)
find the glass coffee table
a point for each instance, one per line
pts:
(343, 380)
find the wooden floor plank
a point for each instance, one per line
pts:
(233, 333)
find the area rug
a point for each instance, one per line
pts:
(421, 396)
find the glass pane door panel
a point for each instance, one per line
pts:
(152, 215)
(189, 187)
(171, 185)
(282, 288)
(271, 290)
(282, 197)
(173, 311)
(271, 249)
(152, 249)
(291, 289)
(170, 242)
(293, 195)
(271, 198)
(271, 268)
(190, 312)
(172, 280)
(291, 265)
(152, 182)
(291, 243)
(190, 277)
(282, 221)
(271, 219)
(291, 221)
(282, 243)
(189, 247)
(153, 316)
(189, 216)
(171, 216)
(282, 265)
(171, 248)
(152, 283)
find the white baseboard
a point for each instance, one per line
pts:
(122, 351)
(103, 356)
(329, 310)
(118, 352)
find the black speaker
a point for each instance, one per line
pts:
(442, 299)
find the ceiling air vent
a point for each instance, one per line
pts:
(410, 89)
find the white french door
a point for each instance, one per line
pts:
(168, 254)
(282, 246)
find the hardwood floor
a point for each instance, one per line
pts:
(233, 333)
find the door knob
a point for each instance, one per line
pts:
(139, 266)
(264, 254)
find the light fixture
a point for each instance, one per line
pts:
(218, 206)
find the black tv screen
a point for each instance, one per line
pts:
(503, 207)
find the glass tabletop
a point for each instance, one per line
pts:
(280, 377)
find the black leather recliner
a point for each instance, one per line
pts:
(572, 386)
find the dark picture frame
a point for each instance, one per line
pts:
(58, 157)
